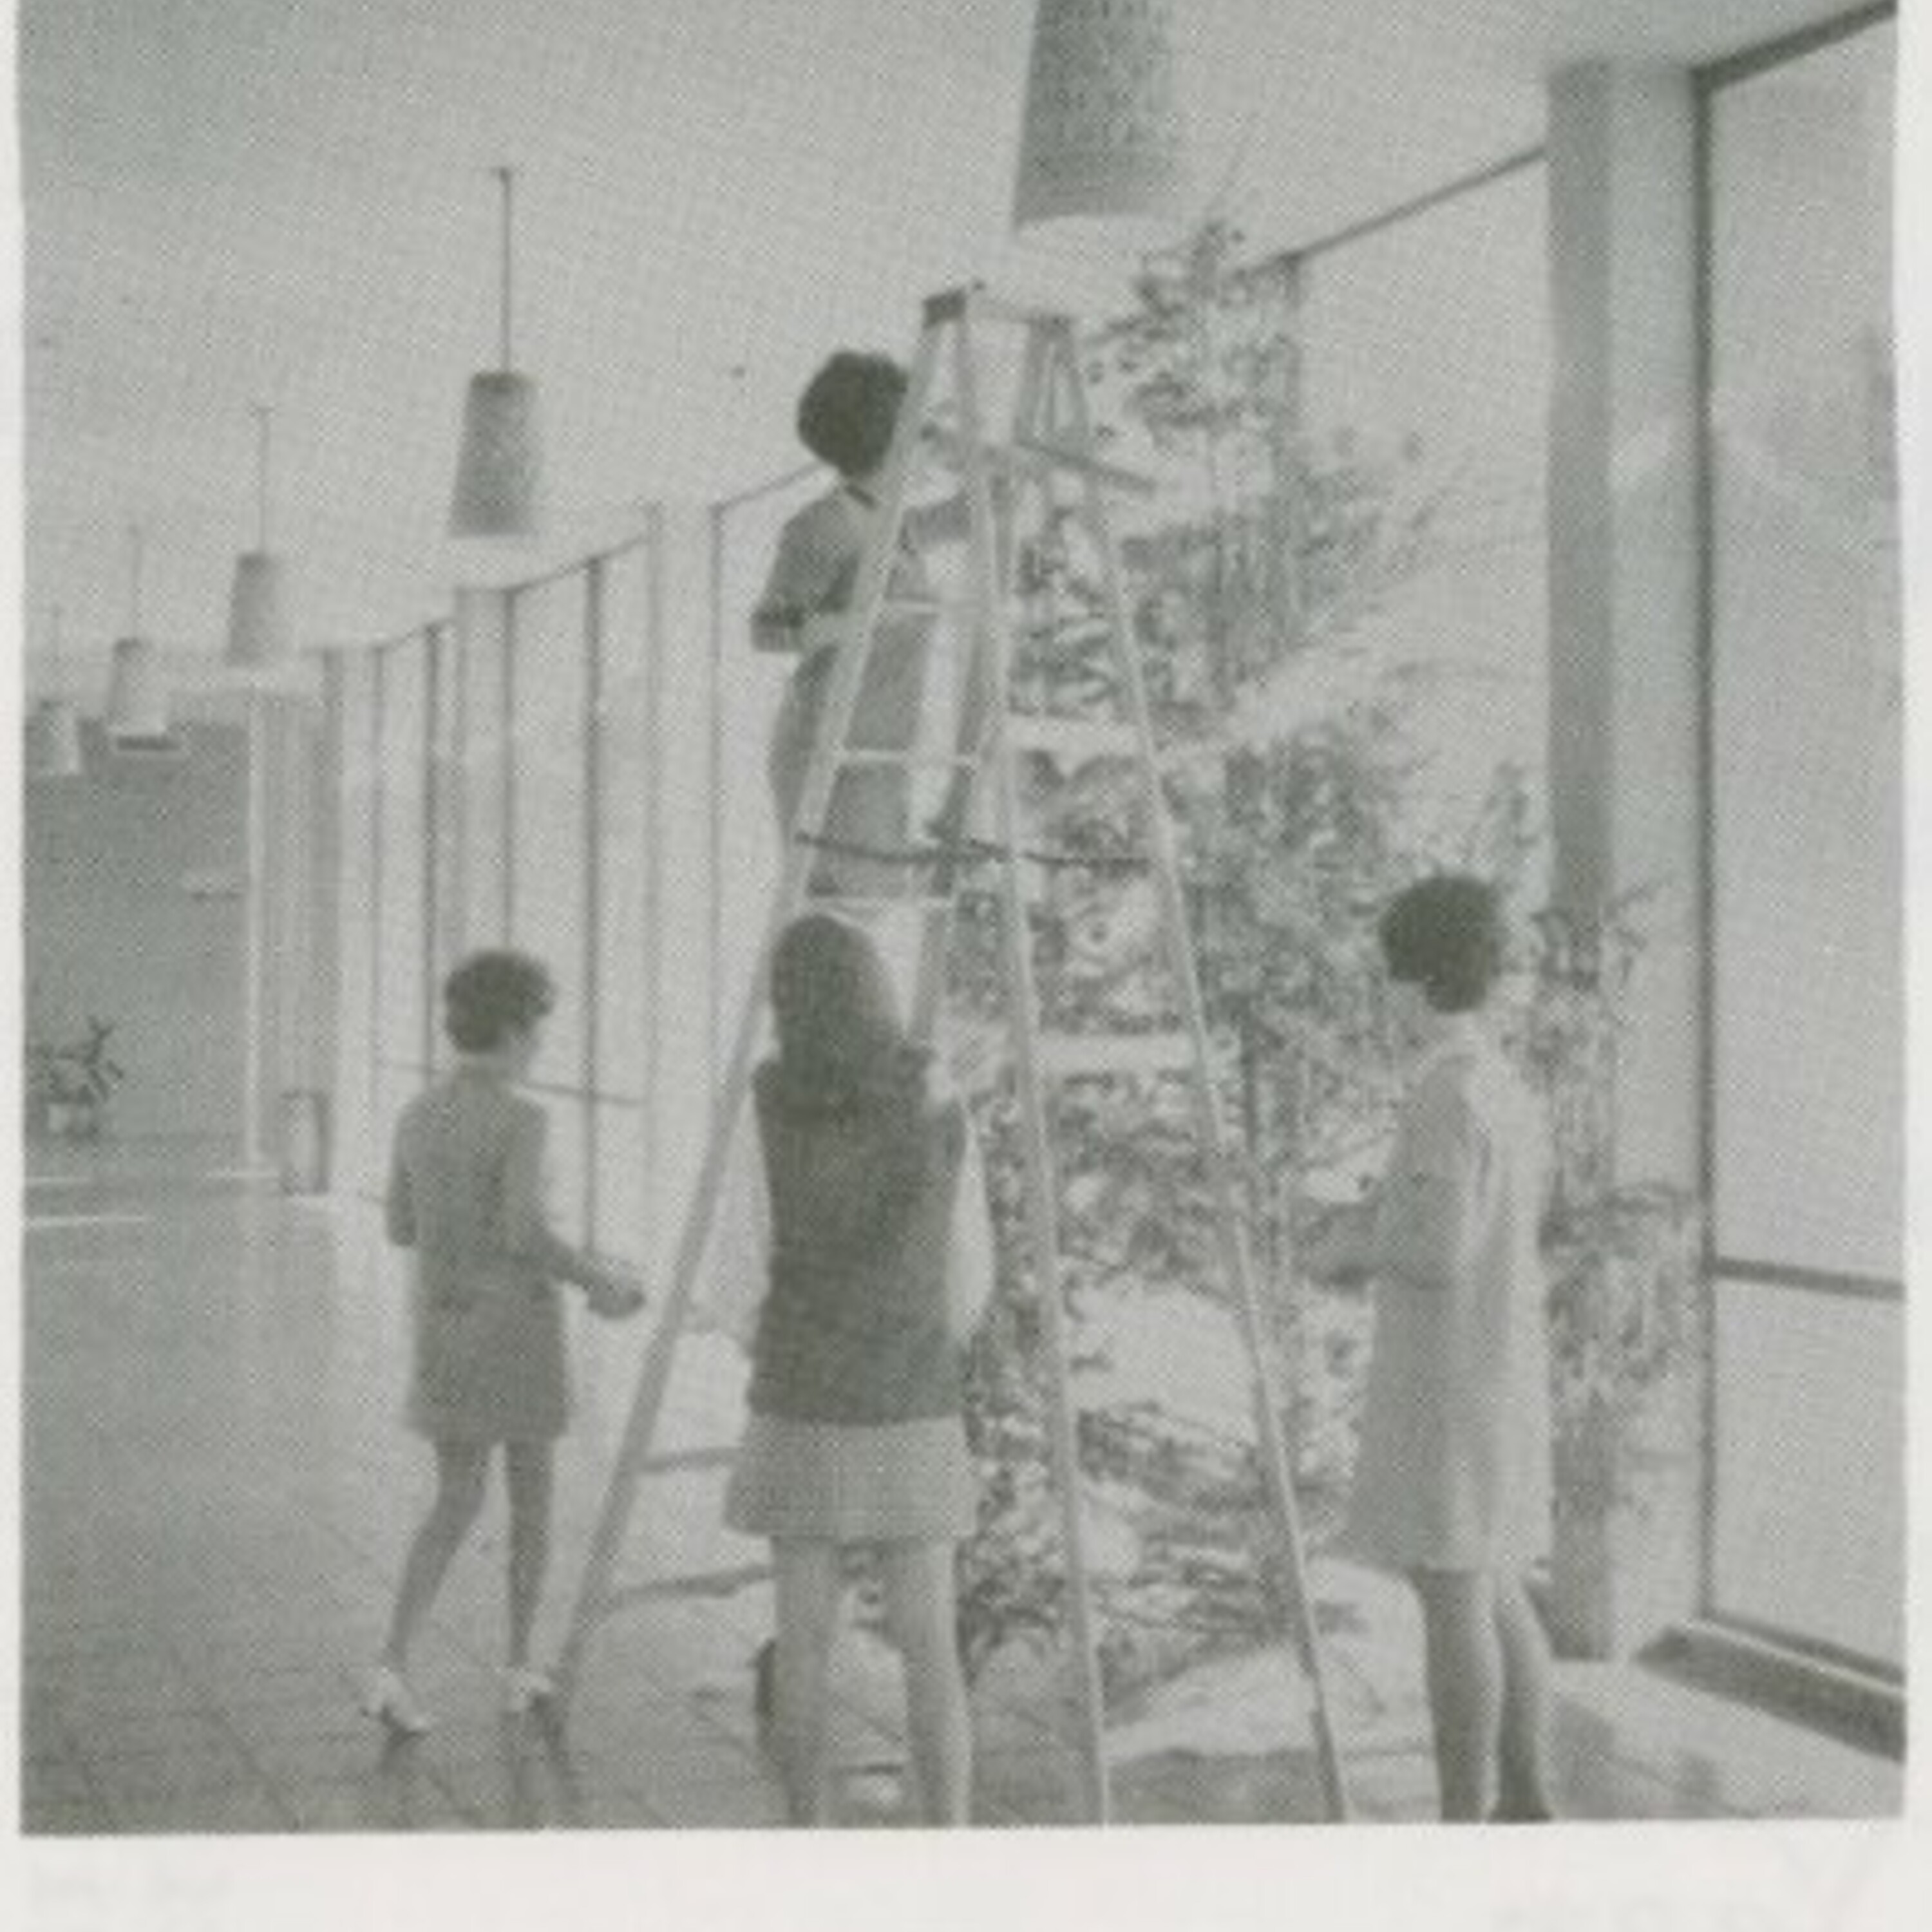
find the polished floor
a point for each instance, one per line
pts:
(216, 1494)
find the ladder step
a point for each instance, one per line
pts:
(1081, 739)
(1059, 457)
(1072, 1056)
(1032, 454)
(702, 1583)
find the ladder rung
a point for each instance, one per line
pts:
(950, 305)
(1078, 738)
(1056, 456)
(676, 1462)
(702, 1583)
(1025, 455)
(1067, 1056)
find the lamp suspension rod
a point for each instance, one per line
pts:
(134, 547)
(507, 175)
(263, 413)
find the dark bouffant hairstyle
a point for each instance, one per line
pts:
(848, 413)
(491, 994)
(1446, 935)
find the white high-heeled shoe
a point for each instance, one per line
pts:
(524, 1689)
(389, 1698)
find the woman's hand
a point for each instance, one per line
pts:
(613, 1294)
(976, 1056)
(1336, 1243)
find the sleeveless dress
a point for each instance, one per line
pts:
(1454, 1472)
(856, 1433)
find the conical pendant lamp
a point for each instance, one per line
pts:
(260, 634)
(53, 731)
(1103, 140)
(137, 694)
(498, 476)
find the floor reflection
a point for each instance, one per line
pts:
(216, 1495)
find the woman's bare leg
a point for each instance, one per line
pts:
(1465, 1664)
(1523, 1791)
(527, 1465)
(919, 1606)
(462, 1470)
(810, 1584)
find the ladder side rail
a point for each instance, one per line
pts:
(1237, 1262)
(814, 800)
(1023, 1011)
(977, 696)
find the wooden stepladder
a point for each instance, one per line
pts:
(1047, 472)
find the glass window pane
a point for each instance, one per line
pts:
(623, 1208)
(550, 853)
(1807, 667)
(1810, 1535)
(627, 854)
(480, 629)
(444, 670)
(751, 686)
(402, 692)
(1426, 375)
(395, 1088)
(566, 1155)
(355, 1040)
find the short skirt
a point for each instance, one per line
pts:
(834, 1482)
(492, 1369)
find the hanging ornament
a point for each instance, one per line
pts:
(499, 473)
(137, 694)
(260, 635)
(1103, 138)
(53, 749)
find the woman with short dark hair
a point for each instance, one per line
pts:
(1452, 1486)
(466, 1194)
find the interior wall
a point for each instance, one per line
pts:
(132, 911)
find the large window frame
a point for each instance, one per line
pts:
(1723, 1270)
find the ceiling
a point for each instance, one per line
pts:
(230, 199)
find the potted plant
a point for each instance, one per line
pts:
(45, 1089)
(1628, 1335)
(1628, 1323)
(69, 1086)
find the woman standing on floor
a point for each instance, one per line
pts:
(1453, 1487)
(856, 1434)
(466, 1193)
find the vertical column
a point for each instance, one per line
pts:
(280, 997)
(594, 873)
(258, 1071)
(380, 967)
(685, 731)
(658, 1116)
(432, 788)
(1626, 646)
(334, 901)
(480, 629)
